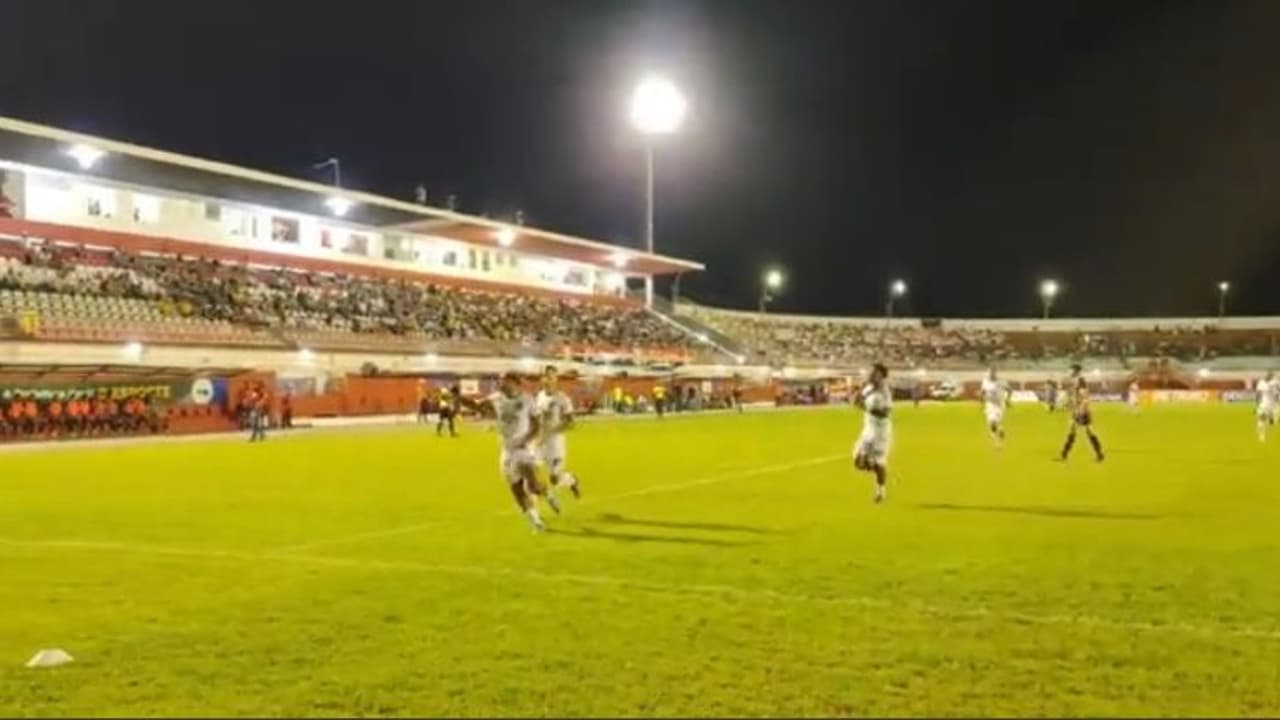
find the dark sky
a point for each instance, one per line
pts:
(1129, 148)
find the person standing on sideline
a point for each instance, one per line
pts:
(257, 415)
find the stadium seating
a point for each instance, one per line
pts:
(104, 294)
(780, 339)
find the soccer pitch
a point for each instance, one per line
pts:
(716, 565)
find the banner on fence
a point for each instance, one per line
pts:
(194, 390)
(1174, 396)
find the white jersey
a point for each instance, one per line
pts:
(1133, 394)
(1268, 395)
(876, 402)
(554, 409)
(994, 393)
(515, 417)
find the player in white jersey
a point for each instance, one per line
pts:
(1132, 398)
(871, 452)
(555, 410)
(518, 424)
(1268, 403)
(995, 396)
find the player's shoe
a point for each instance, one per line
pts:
(576, 489)
(553, 502)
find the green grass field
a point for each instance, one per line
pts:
(717, 565)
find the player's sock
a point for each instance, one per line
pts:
(880, 477)
(535, 520)
(1097, 446)
(552, 501)
(573, 485)
(1066, 448)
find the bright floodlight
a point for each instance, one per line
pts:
(1049, 289)
(1224, 286)
(338, 205)
(619, 259)
(431, 357)
(506, 237)
(657, 107)
(898, 288)
(774, 279)
(306, 355)
(1203, 372)
(85, 155)
(133, 349)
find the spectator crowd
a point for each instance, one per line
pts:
(784, 339)
(291, 299)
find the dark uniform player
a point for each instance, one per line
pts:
(447, 412)
(1081, 414)
(1051, 395)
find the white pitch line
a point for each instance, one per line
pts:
(668, 590)
(358, 537)
(652, 490)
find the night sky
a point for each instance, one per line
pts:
(1130, 149)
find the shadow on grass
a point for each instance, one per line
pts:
(593, 534)
(1043, 510)
(673, 525)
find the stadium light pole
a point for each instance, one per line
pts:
(897, 289)
(1048, 292)
(657, 108)
(770, 284)
(1223, 288)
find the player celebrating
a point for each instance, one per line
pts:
(1081, 413)
(518, 425)
(1268, 403)
(995, 394)
(871, 453)
(555, 411)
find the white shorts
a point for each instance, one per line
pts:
(510, 461)
(995, 414)
(874, 448)
(553, 452)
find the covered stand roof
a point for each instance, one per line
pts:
(45, 147)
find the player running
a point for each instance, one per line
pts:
(1081, 413)
(995, 397)
(555, 411)
(1132, 397)
(871, 453)
(1268, 403)
(518, 425)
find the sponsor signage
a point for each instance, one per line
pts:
(1195, 396)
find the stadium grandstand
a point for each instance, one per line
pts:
(139, 261)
